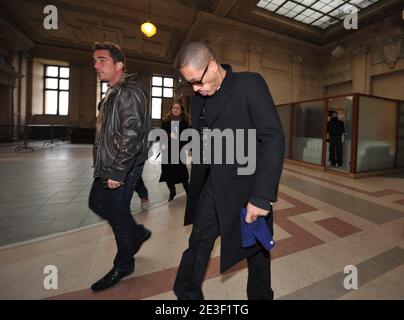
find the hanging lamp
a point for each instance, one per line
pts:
(148, 28)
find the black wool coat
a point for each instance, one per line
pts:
(242, 102)
(170, 172)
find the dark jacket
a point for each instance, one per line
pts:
(174, 173)
(335, 127)
(123, 125)
(242, 102)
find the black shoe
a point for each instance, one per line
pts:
(110, 279)
(172, 195)
(146, 235)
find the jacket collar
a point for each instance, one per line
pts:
(126, 79)
(221, 98)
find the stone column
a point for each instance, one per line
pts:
(360, 70)
(254, 58)
(8, 80)
(295, 77)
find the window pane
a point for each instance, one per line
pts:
(377, 134)
(156, 108)
(157, 92)
(63, 103)
(307, 139)
(168, 93)
(64, 72)
(168, 82)
(51, 102)
(51, 83)
(157, 81)
(64, 84)
(52, 71)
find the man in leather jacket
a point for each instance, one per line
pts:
(120, 150)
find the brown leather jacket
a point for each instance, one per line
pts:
(123, 125)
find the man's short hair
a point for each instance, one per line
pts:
(197, 54)
(114, 50)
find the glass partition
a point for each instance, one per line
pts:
(307, 136)
(400, 149)
(377, 134)
(377, 143)
(343, 107)
(284, 115)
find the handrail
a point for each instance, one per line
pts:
(24, 134)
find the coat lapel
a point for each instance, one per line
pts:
(196, 103)
(221, 99)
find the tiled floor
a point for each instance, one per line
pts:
(46, 191)
(324, 223)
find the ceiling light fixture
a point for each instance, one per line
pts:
(148, 28)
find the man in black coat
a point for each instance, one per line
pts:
(335, 130)
(228, 100)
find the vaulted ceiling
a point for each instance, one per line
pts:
(81, 22)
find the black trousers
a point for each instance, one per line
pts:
(191, 272)
(114, 206)
(141, 189)
(172, 189)
(335, 150)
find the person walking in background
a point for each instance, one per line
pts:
(172, 173)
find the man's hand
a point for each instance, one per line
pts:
(254, 212)
(112, 184)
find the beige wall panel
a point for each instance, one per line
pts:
(389, 85)
(310, 88)
(279, 85)
(281, 64)
(339, 66)
(234, 53)
(338, 89)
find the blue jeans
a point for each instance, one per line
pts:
(141, 189)
(114, 206)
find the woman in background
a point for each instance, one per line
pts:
(175, 173)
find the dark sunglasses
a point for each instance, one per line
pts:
(200, 81)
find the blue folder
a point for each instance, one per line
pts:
(255, 231)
